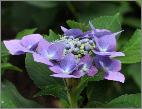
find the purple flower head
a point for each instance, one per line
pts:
(47, 52)
(86, 66)
(111, 68)
(72, 55)
(65, 68)
(27, 44)
(72, 33)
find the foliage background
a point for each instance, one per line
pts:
(17, 16)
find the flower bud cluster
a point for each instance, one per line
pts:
(78, 46)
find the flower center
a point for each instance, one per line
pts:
(85, 68)
(78, 46)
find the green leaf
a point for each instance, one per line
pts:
(95, 89)
(43, 4)
(94, 104)
(54, 90)
(132, 49)
(40, 73)
(134, 22)
(10, 98)
(5, 66)
(107, 22)
(5, 56)
(84, 81)
(4, 53)
(73, 24)
(134, 70)
(25, 32)
(104, 22)
(52, 36)
(131, 100)
(99, 76)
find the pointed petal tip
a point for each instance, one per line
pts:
(117, 33)
(63, 29)
(14, 47)
(91, 25)
(115, 76)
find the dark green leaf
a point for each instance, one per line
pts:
(134, 22)
(73, 24)
(54, 90)
(25, 32)
(40, 73)
(100, 91)
(132, 49)
(107, 22)
(43, 4)
(52, 36)
(5, 66)
(84, 81)
(10, 98)
(99, 76)
(94, 104)
(4, 53)
(131, 100)
(134, 70)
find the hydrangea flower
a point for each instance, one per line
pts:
(27, 44)
(75, 54)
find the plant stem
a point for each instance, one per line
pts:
(71, 96)
(73, 100)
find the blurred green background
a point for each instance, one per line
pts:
(45, 15)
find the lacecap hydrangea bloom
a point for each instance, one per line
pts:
(75, 54)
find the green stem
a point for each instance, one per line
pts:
(71, 96)
(73, 100)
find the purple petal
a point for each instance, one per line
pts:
(97, 33)
(87, 60)
(56, 69)
(106, 43)
(31, 41)
(63, 29)
(68, 63)
(73, 32)
(87, 34)
(78, 73)
(55, 51)
(101, 32)
(111, 54)
(42, 47)
(116, 54)
(14, 47)
(63, 76)
(107, 64)
(116, 76)
(42, 59)
(92, 71)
